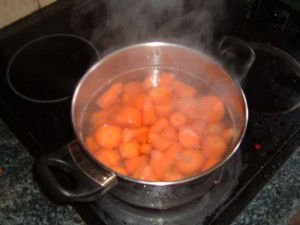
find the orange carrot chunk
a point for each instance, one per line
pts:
(120, 170)
(189, 107)
(131, 133)
(130, 149)
(170, 133)
(129, 116)
(214, 146)
(199, 127)
(177, 119)
(227, 134)
(139, 102)
(110, 97)
(135, 87)
(130, 91)
(145, 149)
(189, 161)
(108, 157)
(210, 163)
(99, 118)
(174, 175)
(188, 137)
(159, 125)
(149, 116)
(215, 128)
(163, 110)
(161, 95)
(91, 144)
(166, 78)
(134, 163)
(108, 136)
(212, 108)
(183, 90)
(161, 164)
(145, 173)
(142, 138)
(159, 142)
(173, 150)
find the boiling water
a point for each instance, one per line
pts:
(197, 82)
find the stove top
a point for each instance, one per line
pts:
(44, 55)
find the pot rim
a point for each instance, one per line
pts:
(155, 44)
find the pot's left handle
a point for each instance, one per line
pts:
(90, 181)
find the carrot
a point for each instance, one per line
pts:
(177, 119)
(158, 142)
(212, 108)
(149, 116)
(135, 87)
(130, 91)
(215, 128)
(214, 146)
(188, 137)
(108, 136)
(128, 99)
(166, 79)
(139, 102)
(128, 134)
(145, 173)
(159, 125)
(173, 150)
(161, 95)
(161, 164)
(174, 175)
(110, 97)
(132, 164)
(189, 161)
(210, 163)
(104, 116)
(129, 149)
(163, 110)
(99, 118)
(170, 133)
(183, 90)
(189, 107)
(131, 133)
(227, 134)
(145, 149)
(108, 157)
(142, 138)
(199, 127)
(91, 144)
(129, 116)
(120, 170)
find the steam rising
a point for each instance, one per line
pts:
(126, 22)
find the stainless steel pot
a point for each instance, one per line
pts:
(92, 179)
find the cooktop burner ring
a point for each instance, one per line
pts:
(81, 57)
(275, 75)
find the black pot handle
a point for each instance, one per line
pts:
(236, 56)
(89, 182)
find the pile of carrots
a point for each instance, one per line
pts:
(158, 129)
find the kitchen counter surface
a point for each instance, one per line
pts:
(21, 201)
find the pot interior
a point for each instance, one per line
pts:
(139, 61)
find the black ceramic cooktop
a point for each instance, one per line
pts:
(43, 56)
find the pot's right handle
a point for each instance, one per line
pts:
(90, 180)
(236, 56)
